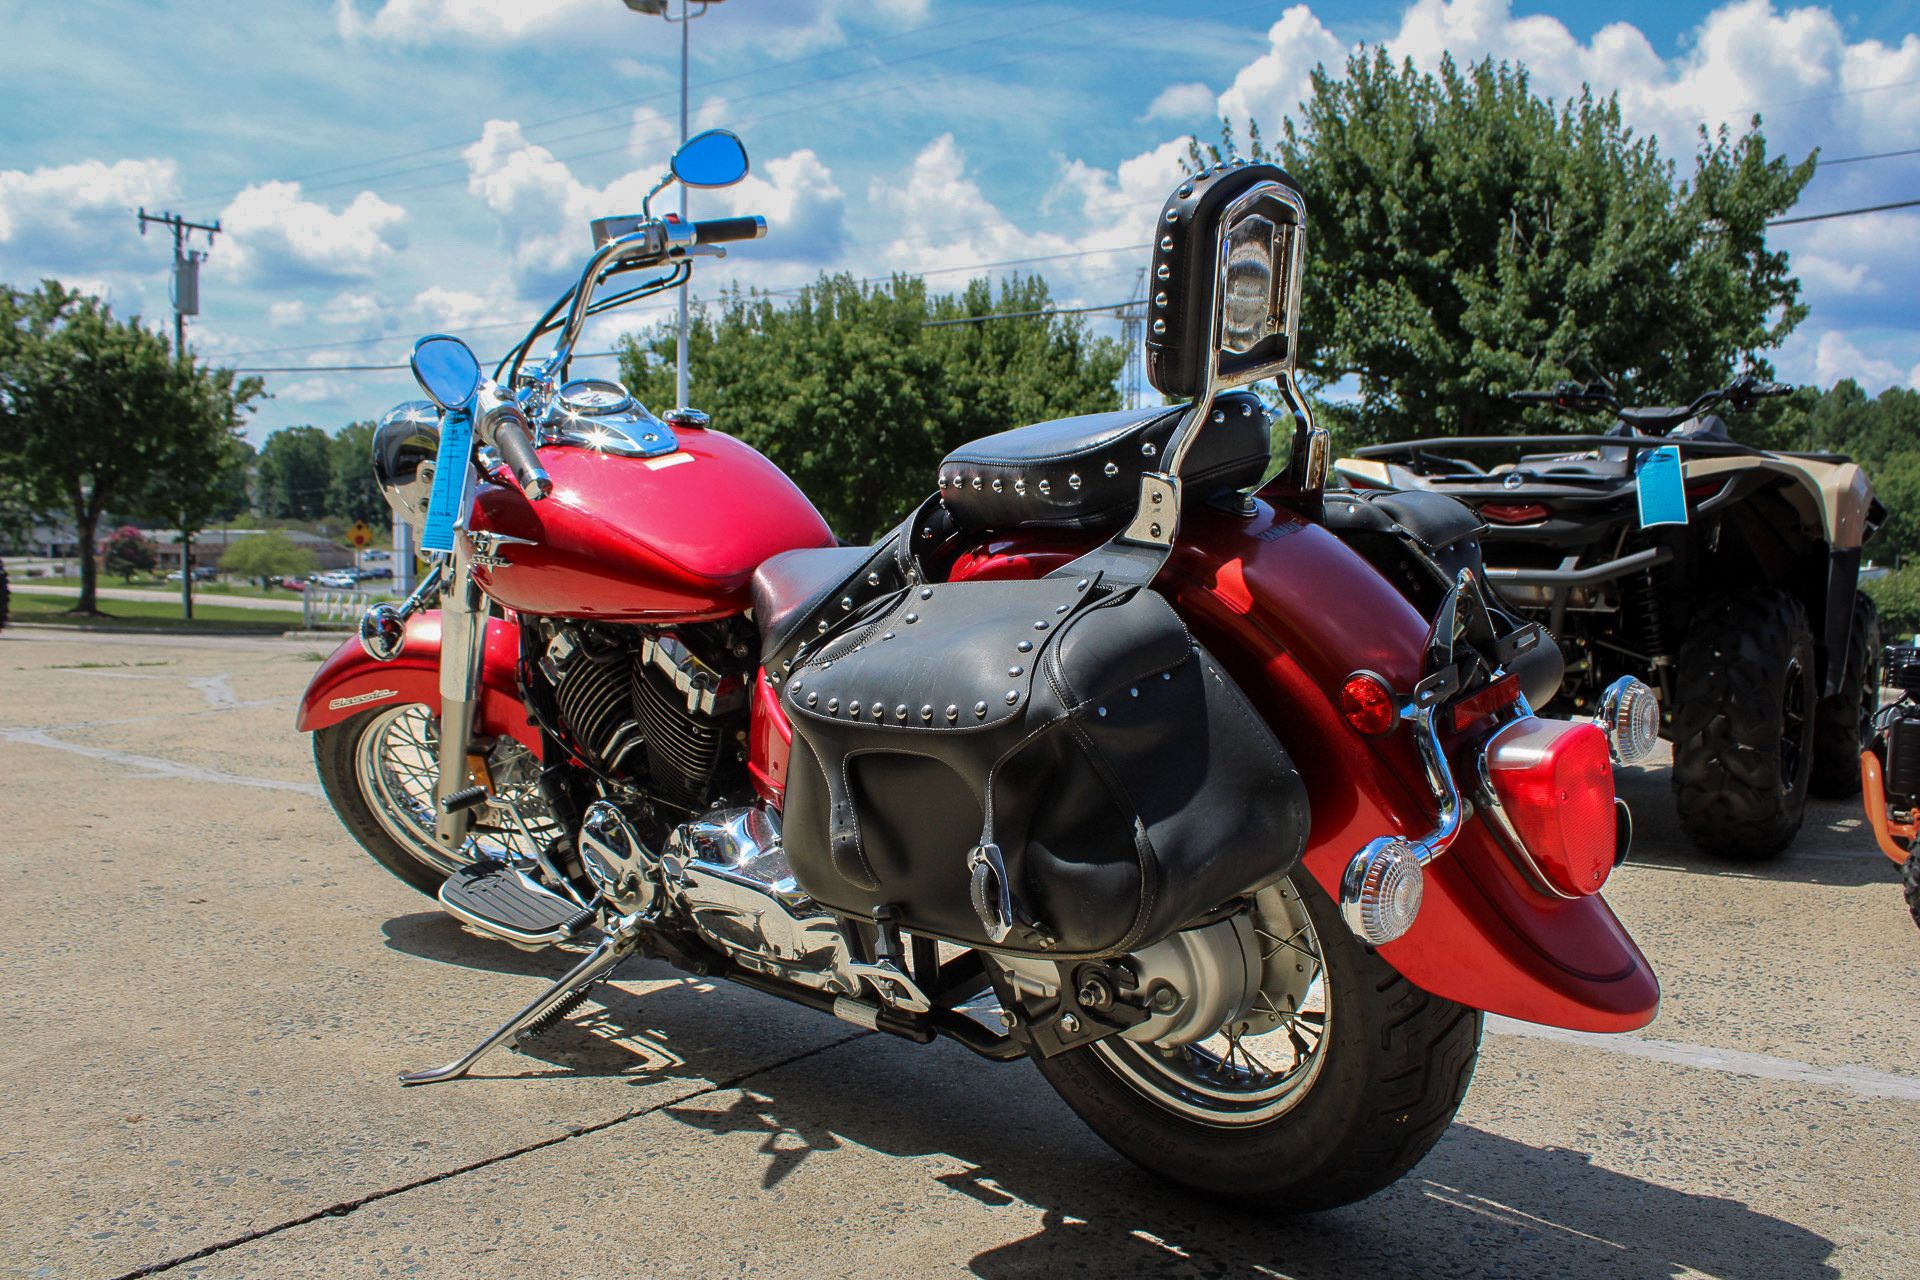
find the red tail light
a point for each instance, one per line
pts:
(1554, 780)
(1367, 703)
(1503, 692)
(1514, 512)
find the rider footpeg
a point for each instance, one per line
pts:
(467, 798)
(506, 903)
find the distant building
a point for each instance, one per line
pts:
(210, 546)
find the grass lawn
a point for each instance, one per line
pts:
(149, 582)
(148, 615)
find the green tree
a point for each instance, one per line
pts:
(91, 406)
(352, 492)
(199, 469)
(1467, 238)
(294, 474)
(857, 392)
(266, 556)
(129, 551)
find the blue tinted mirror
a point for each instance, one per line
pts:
(715, 158)
(446, 369)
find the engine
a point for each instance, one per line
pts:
(660, 709)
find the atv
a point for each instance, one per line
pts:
(1723, 575)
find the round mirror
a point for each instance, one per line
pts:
(715, 158)
(446, 369)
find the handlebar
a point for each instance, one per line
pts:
(515, 443)
(1740, 394)
(721, 230)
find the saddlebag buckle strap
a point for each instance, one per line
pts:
(992, 897)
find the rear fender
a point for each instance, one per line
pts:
(1291, 611)
(351, 681)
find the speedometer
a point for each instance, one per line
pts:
(594, 397)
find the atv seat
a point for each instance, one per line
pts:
(1084, 472)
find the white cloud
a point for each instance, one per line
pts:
(484, 21)
(274, 234)
(287, 311)
(79, 215)
(1180, 102)
(1836, 357)
(455, 309)
(1274, 84)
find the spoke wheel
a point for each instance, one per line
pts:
(1258, 1066)
(379, 770)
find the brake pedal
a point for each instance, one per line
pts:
(505, 902)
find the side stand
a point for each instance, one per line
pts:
(597, 964)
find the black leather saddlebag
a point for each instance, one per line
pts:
(1040, 766)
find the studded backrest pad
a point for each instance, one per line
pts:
(1084, 473)
(1125, 778)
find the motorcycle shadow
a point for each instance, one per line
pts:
(1480, 1204)
(1834, 848)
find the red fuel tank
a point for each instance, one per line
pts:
(667, 539)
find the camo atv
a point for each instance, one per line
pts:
(1746, 616)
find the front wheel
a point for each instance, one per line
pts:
(379, 770)
(1339, 1080)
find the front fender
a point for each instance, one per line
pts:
(351, 681)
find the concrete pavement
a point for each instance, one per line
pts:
(208, 989)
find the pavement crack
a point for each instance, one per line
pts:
(347, 1207)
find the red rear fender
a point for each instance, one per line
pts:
(1292, 612)
(350, 681)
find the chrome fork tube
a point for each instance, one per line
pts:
(463, 642)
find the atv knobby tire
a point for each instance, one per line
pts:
(1744, 726)
(1844, 722)
(1910, 877)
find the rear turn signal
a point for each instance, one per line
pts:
(1554, 781)
(1514, 512)
(1367, 703)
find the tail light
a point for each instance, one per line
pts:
(1367, 703)
(1514, 512)
(1553, 783)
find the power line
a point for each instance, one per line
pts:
(1844, 213)
(1878, 155)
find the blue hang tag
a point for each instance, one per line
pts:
(1662, 489)
(450, 467)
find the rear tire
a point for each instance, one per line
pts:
(1911, 877)
(1744, 727)
(1394, 1066)
(1844, 722)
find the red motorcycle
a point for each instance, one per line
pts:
(1131, 751)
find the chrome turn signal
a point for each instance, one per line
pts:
(1381, 891)
(1629, 715)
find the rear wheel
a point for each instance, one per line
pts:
(1844, 722)
(1339, 1080)
(1744, 727)
(379, 770)
(1911, 877)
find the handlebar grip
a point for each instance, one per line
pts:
(718, 230)
(511, 438)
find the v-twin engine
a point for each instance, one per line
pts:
(726, 874)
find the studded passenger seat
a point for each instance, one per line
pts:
(1084, 472)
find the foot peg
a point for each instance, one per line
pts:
(548, 1005)
(506, 903)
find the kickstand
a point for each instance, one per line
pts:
(597, 965)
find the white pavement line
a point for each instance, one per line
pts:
(154, 766)
(1868, 1084)
(215, 690)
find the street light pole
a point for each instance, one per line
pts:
(662, 9)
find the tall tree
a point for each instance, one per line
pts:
(294, 474)
(86, 404)
(1467, 238)
(352, 491)
(199, 465)
(856, 391)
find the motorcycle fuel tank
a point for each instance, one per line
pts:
(631, 539)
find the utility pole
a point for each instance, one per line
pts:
(661, 9)
(185, 293)
(1132, 317)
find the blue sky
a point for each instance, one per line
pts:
(390, 167)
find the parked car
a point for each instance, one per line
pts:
(365, 574)
(374, 557)
(201, 573)
(336, 578)
(291, 583)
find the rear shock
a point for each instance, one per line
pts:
(1647, 607)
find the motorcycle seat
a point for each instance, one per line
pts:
(788, 587)
(1084, 472)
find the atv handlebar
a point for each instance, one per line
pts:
(1739, 395)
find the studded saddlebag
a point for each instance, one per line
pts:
(1041, 766)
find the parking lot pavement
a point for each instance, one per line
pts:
(208, 990)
